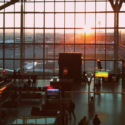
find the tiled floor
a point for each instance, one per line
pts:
(108, 104)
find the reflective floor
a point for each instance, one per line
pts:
(108, 103)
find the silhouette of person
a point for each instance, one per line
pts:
(96, 120)
(71, 109)
(29, 82)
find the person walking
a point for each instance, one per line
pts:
(96, 120)
(71, 109)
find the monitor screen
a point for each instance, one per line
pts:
(101, 74)
(53, 93)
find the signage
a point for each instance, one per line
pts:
(3, 71)
(101, 74)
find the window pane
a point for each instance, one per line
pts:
(110, 36)
(38, 69)
(59, 36)
(28, 51)
(100, 52)
(9, 64)
(109, 7)
(39, 7)
(9, 36)
(80, 7)
(39, 20)
(1, 66)
(89, 51)
(122, 37)
(122, 7)
(49, 17)
(100, 20)
(110, 66)
(17, 35)
(110, 52)
(90, 36)
(28, 65)
(17, 20)
(90, 6)
(28, 36)
(58, 49)
(89, 66)
(69, 48)
(59, 20)
(80, 20)
(1, 51)
(17, 64)
(69, 36)
(49, 51)
(17, 7)
(100, 36)
(100, 6)
(121, 20)
(1, 35)
(1, 20)
(80, 48)
(110, 19)
(69, 20)
(29, 20)
(49, 36)
(38, 35)
(59, 6)
(49, 66)
(16, 51)
(90, 20)
(29, 6)
(9, 51)
(9, 8)
(79, 36)
(69, 7)
(49, 6)
(9, 20)
(56, 68)
(38, 52)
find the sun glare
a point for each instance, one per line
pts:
(87, 29)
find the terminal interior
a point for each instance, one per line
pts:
(54, 51)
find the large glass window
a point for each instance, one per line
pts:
(51, 27)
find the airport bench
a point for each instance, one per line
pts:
(31, 96)
(55, 106)
(11, 104)
(43, 113)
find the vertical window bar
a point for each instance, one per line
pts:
(64, 25)
(44, 43)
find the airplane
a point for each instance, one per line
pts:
(7, 41)
(26, 68)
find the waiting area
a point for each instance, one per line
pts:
(108, 103)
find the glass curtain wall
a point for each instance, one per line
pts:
(54, 26)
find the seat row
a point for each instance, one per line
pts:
(55, 106)
(11, 104)
(29, 88)
(43, 113)
(30, 96)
